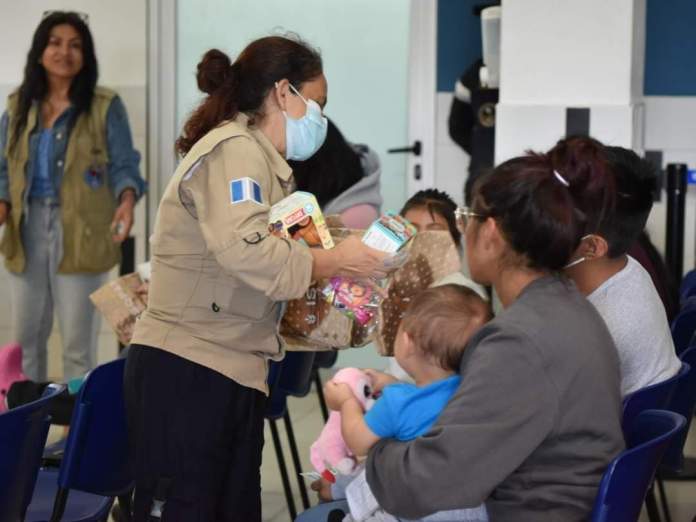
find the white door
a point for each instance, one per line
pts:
(433, 159)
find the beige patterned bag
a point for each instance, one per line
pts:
(432, 256)
(311, 323)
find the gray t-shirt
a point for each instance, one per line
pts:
(637, 321)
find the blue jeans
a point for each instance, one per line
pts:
(321, 512)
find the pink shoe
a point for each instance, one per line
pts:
(10, 370)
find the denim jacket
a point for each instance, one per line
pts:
(123, 170)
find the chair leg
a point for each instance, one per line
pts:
(663, 498)
(320, 394)
(651, 506)
(296, 460)
(59, 504)
(125, 504)
(283, 470)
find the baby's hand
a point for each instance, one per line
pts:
(380, 380)
(336, 393)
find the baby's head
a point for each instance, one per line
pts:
(437, 326)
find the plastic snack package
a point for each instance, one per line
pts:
(360, 299)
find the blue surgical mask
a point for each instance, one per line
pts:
(304, 136)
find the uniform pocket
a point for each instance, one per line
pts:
(239, 300)
(95, 250)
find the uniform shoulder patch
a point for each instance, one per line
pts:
(245, 189)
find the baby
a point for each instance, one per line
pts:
(429, 347)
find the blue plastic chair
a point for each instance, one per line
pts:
(630, 475)
(96, 465)
(290, 377)
(23, 433)
(653, 397)
(675, 466)
(684, 326)
(687, 288)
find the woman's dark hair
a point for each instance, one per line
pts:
(436, 202)
(35, 84)
(545, 203)
(334, 168)
(242, 86)
(636, 182)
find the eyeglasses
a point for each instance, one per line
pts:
(82, 16)
(464, 214)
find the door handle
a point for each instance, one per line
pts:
(416, 149)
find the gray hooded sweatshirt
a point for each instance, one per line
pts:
(364, 192)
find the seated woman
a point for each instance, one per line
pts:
(537, 417)
(614, 282)
(344, 178)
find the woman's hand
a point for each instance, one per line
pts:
(336, 393)
(123, 217)
(4, 210)
(380, 379)
(356, 259)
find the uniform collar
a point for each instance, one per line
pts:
(278, 164)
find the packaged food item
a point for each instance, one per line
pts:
(360, 299)
(389, 233)
(299, 217)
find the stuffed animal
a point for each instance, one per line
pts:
(10, 370)
(329, 452)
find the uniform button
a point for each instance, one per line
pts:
(88, 231)
(59, 136)
(215, 307)
(60, 163)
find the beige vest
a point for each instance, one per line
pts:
(218, 279)
(86, 213)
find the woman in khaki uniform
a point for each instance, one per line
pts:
(197, 369)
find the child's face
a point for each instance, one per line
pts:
(423, 220)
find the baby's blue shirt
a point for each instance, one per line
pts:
(406, 411)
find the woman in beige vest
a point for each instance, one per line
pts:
(69, 180)
(197, 369)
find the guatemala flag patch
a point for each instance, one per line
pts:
(245, 189)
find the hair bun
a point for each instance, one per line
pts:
(213, 70)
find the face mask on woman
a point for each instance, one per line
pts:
(304, 136)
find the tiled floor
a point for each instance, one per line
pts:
(307, 422)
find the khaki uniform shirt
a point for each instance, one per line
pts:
(218, 278)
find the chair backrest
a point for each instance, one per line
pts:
(277, 400)
(653, 397)
(628, 477)
(97, 458)
(23, 432)
(291, 376)
(296, 373)
(683, 402)
(688, 286)
(684, 325)
(325, 359)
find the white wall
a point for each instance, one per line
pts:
(565, 52)
(670, 126)
(118, 29)
(364, 46)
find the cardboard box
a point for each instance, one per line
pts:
(389, 233)
(299, 217)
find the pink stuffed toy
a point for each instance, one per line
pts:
(10, 370)
(329, 452)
